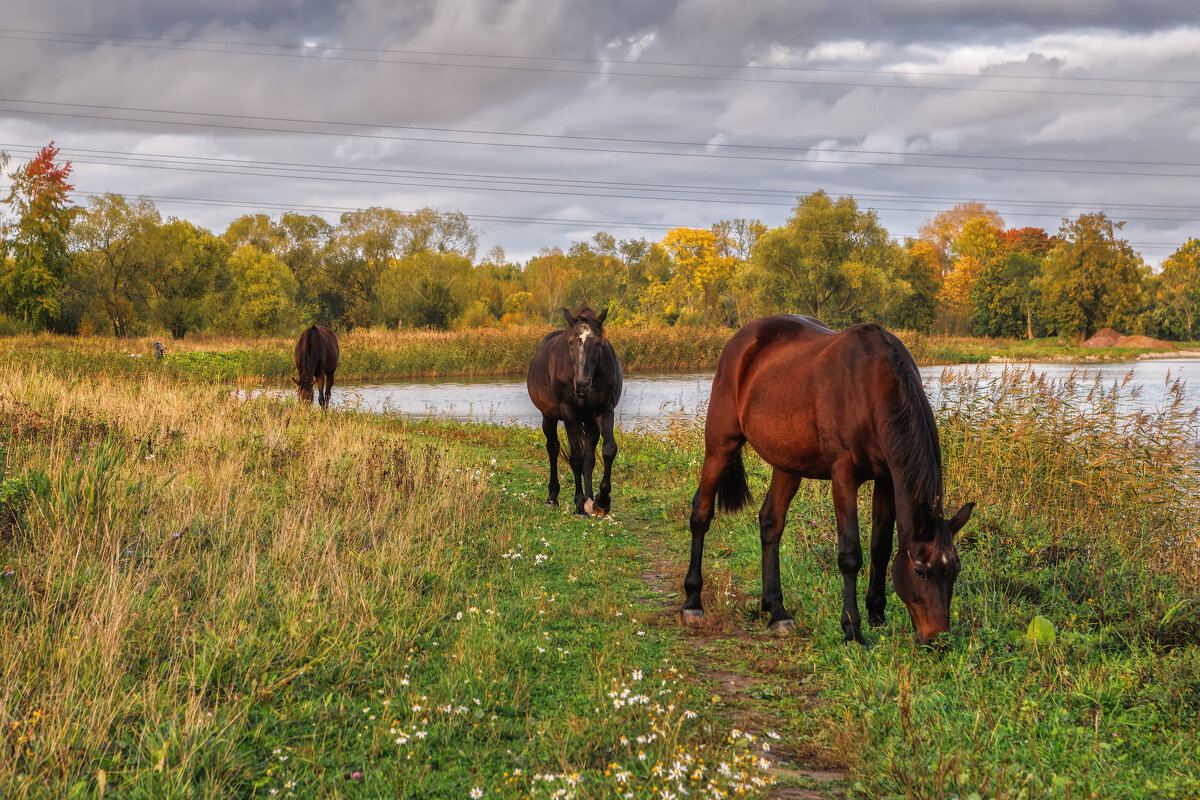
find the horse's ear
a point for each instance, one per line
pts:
(603, 315)
(958, 520)
(568, 317)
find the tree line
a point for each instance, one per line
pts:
(116, 266)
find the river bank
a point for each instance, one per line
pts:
(382, 355)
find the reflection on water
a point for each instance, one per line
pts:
(656, 401)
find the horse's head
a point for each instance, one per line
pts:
(306, 386)
(585, 337)
(925, 567)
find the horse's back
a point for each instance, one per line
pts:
(802, 393)
(331, 349)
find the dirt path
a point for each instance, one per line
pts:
(738, 660)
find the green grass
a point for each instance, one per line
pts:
(210, 598)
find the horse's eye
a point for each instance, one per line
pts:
(920, 573)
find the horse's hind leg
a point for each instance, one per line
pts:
(845, 506)
(326, 389)
(771, 520)
(883, 520)
(718, 462)
(575, 440)
(591, 435)
(550, 429)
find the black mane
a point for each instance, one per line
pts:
(912, 435)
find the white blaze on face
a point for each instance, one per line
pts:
(584, 334)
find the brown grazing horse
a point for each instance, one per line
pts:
(575, 377)
(845, 407)
(316, 360)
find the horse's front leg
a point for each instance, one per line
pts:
(550, 429)
(575, 439)
(609, 451)
(771, 521)
(845, 505)
(883, 520)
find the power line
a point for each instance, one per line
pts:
(122, 157)
(561, 187)
(419, 58)
(571, 148)
(616, 224)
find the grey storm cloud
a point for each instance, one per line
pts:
(548, 121)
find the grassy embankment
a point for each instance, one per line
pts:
(381, 355)
(205, 598)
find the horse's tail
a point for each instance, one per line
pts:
(733, 492)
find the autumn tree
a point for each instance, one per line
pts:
(701, 270)
(37, 256)
(943, 229)
(1091, 279)
(830, 261)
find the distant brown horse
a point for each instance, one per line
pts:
(575, 377)
(846, 407)
(316, 360)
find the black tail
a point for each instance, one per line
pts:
(733, 493)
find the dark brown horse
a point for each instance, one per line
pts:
(575, 378)
(316, 360)
(845, 407)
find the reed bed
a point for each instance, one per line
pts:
(365, 354)
(1079, 465)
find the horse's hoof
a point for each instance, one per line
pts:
(691, 617)
(589, 507)
(552, 504)
(782, 627)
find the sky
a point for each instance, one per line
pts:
(547, 121)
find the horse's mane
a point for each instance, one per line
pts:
(585, 311)
(912, 435)
(588, 314)
(310, 343)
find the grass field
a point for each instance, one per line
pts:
(208, 598)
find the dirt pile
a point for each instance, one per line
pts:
(1144, 341)
(1105, 337)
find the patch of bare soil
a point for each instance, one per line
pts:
(714, 649)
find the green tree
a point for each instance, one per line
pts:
(37, 257)
(261, 294)
(920, 268)
(111, 237)
(427, 289)
(1179, 292)
(831, 261)
(187, 264)
(1091, 279)
(1004, 295)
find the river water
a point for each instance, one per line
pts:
(656, 400)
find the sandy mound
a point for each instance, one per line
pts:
(1144, 341)
(1106, 337)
